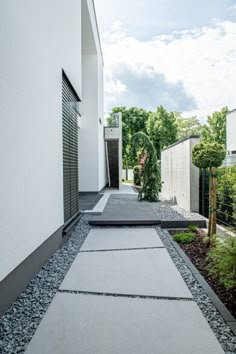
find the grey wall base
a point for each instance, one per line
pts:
(16, 282)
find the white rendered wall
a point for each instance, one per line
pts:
(92, 148)
(180, 176)
(89, 126)
(38, 39)
(101, 143)
(231, 131)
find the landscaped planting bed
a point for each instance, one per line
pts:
(198, 253)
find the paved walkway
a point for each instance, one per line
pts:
(123, 294)
(99, 207)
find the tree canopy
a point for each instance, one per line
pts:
(187, 126)
(215, 130)
(133, 121)
(162, 129)
(165, 128)
(208, 154)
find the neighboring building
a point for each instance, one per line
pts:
(113, 141)
(51, 97)
(231, 138)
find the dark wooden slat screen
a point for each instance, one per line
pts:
(70, 151)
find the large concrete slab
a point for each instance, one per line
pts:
(149, 272)
(87, 324)
(121, 215)
(121, 238)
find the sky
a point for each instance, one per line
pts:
(176, 53)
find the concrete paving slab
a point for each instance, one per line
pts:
(121, 238)
(118, 215)
(149, 272)
(87, 324)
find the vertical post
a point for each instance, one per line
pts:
(120, 149)
(203, 183)
(210, 204)
(214, 183)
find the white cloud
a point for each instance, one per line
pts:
(202, 59)
(233, 7)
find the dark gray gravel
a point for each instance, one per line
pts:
(215, 320)
(18, 325)
(164, 210)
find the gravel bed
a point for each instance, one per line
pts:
(20, 322)
(164, 210)
(218, 325)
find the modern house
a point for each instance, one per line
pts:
(52, 130)
(231, 138)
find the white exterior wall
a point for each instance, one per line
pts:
(92, 148)
(180, 176)
(231, 131)
(36, 43)
(88, 161)
(38, 40)
(101, 143)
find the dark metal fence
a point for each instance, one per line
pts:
(226, 196)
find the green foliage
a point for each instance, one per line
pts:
(226, 195)
(162, 129)
(223, 262)
(133, 121)
(184, 237)
(208, 154)
(215, 130)
(151, 176)
(187, 126)
(193, 228)
(137, 176)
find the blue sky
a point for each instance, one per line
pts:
(181, 54)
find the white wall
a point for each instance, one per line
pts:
(231, 131)
(89, 126)
(180, 176)
(92, 148)
(101, 143)
(37, 39)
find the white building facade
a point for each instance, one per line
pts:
(52, 129)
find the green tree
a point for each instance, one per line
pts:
(187, 126)
(210, 155)
(151, 176)
(133, 121)
(215, 130)
(162, 129)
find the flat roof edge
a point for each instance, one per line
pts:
(181, 141)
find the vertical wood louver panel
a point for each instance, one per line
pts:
(70, 150)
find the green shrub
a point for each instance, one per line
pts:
(184, 237)
(137, 177)
(226, 195)
(223, 262)
(192, 228)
